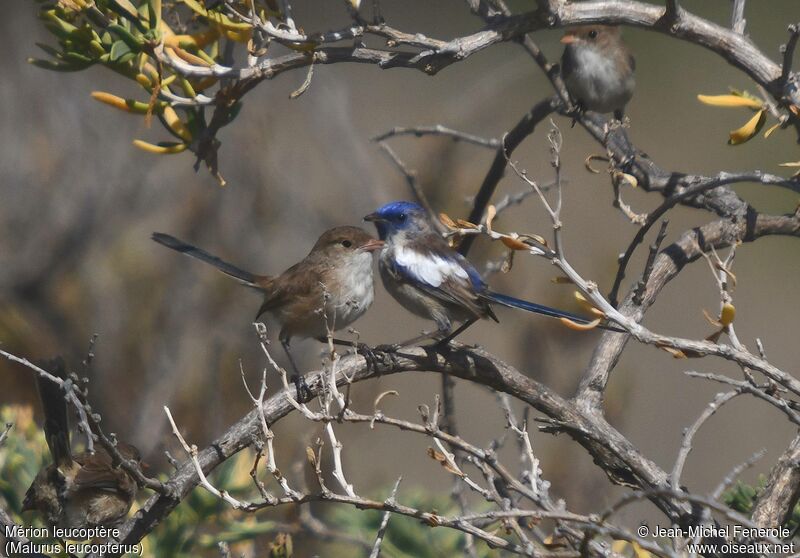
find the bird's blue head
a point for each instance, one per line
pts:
(399, 216)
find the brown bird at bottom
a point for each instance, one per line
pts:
(82, 490)
(334, 279)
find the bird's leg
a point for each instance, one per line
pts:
(576, 112)
(297, 378)
(361, 348)
(455, 333)
(630, 152)
(443, 328)
(393, 348)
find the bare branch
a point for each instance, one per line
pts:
(641, 285)
(672, 11)
(746, 387)
(738, 22)
(203, 480)
(708, 503)
(438, 130)
(413, 184)
(376, 548)
(777, 501)
(619, 458)
(689, 433)
(731, 477)
(511, 141)
(704, 184)
(436, 54)
(788, 51)
(688, 248)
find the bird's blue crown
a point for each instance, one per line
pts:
(399, 216)
(395, 210)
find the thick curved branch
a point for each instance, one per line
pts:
(621, 461)
(780, 495)
(508, 144)
(699, 186)
(692, 244)
(736, 48)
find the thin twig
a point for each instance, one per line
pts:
(269, 436)
(204, 482)
(704, 185)
(376, 548)
(511, 140)
(306, 83)
(788, 51)
(673, 10)
(438, 130)
(731, 477)
(746, 387)
(688, 435)
(413, 184)
(738, 22)
(641, 286)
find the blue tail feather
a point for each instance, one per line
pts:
(512, 302)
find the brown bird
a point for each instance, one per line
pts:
(335, 278)
(83, 490)
(598, 69)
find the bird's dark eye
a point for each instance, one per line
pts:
(401, 217)
(346, 243)
(593, 34)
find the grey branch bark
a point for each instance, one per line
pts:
(781, 493)
(734, 47)
(616, 455)
(718, 234)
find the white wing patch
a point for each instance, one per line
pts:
(431, 269)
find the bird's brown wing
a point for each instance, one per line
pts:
(98, 472)
(301, 282)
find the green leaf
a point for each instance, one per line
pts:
(49, 50)
(119, 49)
(130, 39)
(56, 66)
(154, 8)
(78, 59)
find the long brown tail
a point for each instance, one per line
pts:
(244, 277)
(56, 425)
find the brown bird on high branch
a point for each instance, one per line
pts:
(598, 68)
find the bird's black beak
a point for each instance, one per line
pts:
(375, 218)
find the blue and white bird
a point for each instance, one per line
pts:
(430, 279)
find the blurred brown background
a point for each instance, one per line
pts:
(78, 203)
